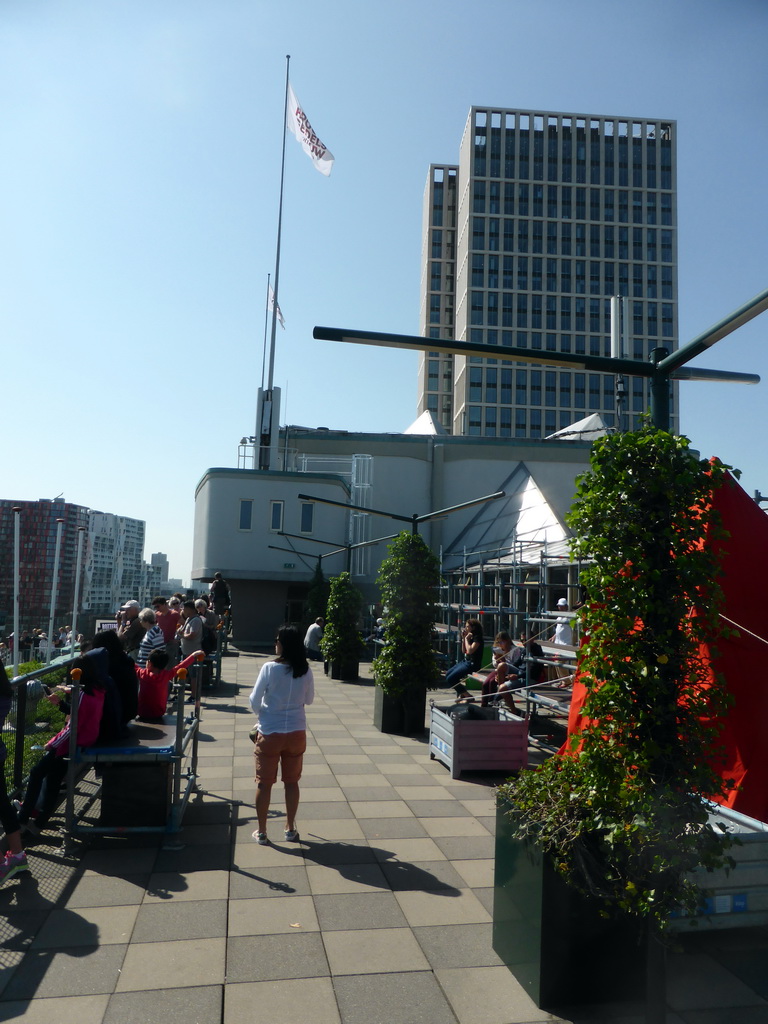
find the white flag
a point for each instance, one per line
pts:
(299, 125)
(276, 307)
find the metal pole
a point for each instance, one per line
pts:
(16, 571)
(659, 392)
(76, 598)
(54, 589)
(265, 449)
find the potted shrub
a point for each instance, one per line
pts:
(406, 668)
(341, 643)
(617, 820)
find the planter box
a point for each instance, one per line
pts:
(553, 939)
(401, 716)
(345, 670)
(493, 739)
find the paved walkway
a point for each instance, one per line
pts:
(380, 916)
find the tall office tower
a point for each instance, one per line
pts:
(525, 241)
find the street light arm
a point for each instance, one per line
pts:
(464, 504)
(357, 508)
(598, 364)
(699, 373)
(720, 330)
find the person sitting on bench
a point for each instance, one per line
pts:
(155, 681)
(52, 766)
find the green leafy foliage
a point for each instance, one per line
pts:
(41, 722)
(317, 595)
(621, 813)
(408, 579)
(341, 641)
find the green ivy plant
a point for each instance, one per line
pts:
(621, 812)
(341, 641)
(408, 578)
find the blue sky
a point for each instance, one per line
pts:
(139, 179)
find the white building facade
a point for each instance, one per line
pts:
(265, 530)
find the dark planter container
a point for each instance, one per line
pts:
(345, 670)
(403, 715)
(553, 939)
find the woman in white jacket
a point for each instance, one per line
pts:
(284, 687)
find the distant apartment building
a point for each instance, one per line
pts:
(115, 570)
(544, 218)
(38, 525)
(112, 567)
(160, 560)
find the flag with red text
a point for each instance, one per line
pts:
(300, 127)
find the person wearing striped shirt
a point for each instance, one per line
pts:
(153, 639)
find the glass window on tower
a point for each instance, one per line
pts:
(475, 384)
(535, 423)
(520, 422)
(491, 377)
(505, 423)
(490, 422)
(550, 393)
(474, 420)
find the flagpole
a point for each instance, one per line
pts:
(267, 428)
(266, 321)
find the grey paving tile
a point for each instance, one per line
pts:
(485, 895)
(466, 847)
(193, 1005)
(355, 851)
(489, 995)
(457, 945)
(275, 957)
(282, 1002)
(438, 809)
(425, 876)
(369, 794)
(89, 926)
(63, 1010)
(392, 828)
(194, 858)
(98, 891)
(349, 911)
(408, 998)
(18, 928)
(346, 878)
(284, 914)
(198, 919)
(9, 963)
(86, 971)
(192, 885)
(119, 863)
(183, 963)
(250, 883)
(374, 951)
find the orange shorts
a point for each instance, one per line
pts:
(283, 748)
